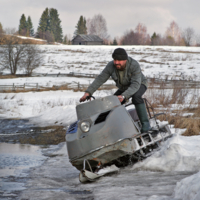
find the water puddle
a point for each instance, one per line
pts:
(15, 162)
(15, 126)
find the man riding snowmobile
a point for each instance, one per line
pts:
(129, 79)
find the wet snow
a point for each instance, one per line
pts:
(170, 173)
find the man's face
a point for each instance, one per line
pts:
(120, 64)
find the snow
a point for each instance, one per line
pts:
(42, 108)
(179, 153)
(188, 188)
(37, 39)
(108, 169)
(155, 61)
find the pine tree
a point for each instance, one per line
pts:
(65, 40)
(114, 42)
(1, 28)
(81, 26)
(30, 30)
(153, 36)
(43, 24)
(50, 26)
(22, 25)
(55, 25)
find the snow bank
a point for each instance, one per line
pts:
(43, 108)
(188, 188)
(178, 153)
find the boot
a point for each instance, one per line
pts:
(142, 114)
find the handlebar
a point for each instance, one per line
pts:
(89, 97)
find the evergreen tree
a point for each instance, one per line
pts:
(81, 26)
(114, 42)
(30, 30)
(22, 25)
(50, 26)
(153, 36)
(65, 40)
(43, 24)
(55, 25)
(156, 39)
(1, 28)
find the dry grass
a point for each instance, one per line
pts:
(7, 76)
(162, 101)
(145, 61)
(10, 76)
(18, 40)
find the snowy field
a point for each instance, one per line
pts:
(178, 155)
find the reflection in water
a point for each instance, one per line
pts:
(15, 161)
(16, 157)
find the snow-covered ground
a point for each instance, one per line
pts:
(178, 154)
(155, 61)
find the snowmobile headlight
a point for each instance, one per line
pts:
(85, 126)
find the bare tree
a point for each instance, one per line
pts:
(130, 38)
(12, 55)
(67, 39)
(10, 31)
(197, 38)
(17, 56)
(32, 59)
(97, 26)
(188, 36)
(169, 40)
(173, 31)
(143, 37)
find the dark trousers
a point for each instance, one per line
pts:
(137, 97)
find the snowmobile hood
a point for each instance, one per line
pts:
(90, 108)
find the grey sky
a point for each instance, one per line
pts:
(120, 15)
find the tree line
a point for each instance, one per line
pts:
(50, 29)
(174, 35)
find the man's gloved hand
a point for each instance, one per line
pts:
(83, 98)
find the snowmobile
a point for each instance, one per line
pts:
(107, 136)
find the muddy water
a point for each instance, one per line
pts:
(32, 172)
(15, 162)
(57, 179)
(44, 172)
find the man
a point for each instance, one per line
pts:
(131, 82)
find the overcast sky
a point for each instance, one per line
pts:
(120, 15)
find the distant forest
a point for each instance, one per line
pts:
(50, 29)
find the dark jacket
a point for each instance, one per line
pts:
(133, 78)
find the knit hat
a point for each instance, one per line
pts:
(119, 54)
